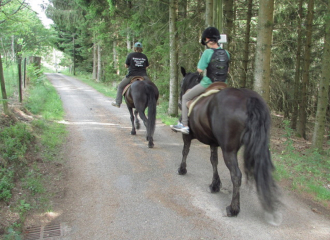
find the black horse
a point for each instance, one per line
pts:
(140, 95)
(230, 119)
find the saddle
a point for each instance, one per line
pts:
(212, 89)
(134, 79)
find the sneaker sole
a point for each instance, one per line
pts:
(179, 130)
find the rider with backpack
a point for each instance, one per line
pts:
(137, 64)
(216, 61)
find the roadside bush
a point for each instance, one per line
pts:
(14, 141)
(6, 183)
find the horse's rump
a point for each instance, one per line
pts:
(213, 116)
(138, 92)
(140, 95)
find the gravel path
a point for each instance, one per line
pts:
(118, 188)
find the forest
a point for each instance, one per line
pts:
(277, 48)
(280, 49)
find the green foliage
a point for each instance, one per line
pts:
(23, 207)
(11, 79)
(12, 234)
(40, 138)
(33, 181)
(51, 138)
(288, 134)
(6, 183)
(162, 110)
(308, 170)
(24, 29)
(14, 142)
(44, 100)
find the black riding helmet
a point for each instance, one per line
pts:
(212, 33)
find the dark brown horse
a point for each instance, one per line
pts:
(141, 95)
(230, 119)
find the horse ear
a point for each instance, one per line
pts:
(183, 71)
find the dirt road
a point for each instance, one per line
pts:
(118, 188)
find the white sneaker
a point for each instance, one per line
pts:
(180, 128)
(115, 104)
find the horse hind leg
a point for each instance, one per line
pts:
(236, 177)
(133, 131)
(145, 122)
(149, 138)
(137, 122)
(216, 182)
(150, 142)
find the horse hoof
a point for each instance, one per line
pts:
(182, 171)
(150, 145)
(231, 212)
(133, 133)
(214, 188)
(275, 218)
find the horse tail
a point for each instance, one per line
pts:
(152, 103)
(257, 158)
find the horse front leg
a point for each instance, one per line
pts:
(186, 146)
(216, 182)
(236, 177)
(133, 131)
(137, 122)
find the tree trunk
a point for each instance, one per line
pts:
(245, 59)
(19, 66)
(297, 72)
(128, 39)
(228, 18)
(24, 73)
(94, 60)
(218, 15)
(74, 56)
(209, 13)
(264, 41)
(305, 77)
(3, 90)
(173, 101)
(115, 57)
(36, 61)
(322, 104)
(228, 15)
(99, 74)
(13, 48)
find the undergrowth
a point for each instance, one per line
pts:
(26, 147)
(307, 171)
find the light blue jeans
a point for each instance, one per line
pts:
(195, 91)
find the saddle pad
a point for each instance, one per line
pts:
(126, 88)
(208, 93)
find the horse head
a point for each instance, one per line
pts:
(189, 81)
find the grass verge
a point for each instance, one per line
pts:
(29, 141)
(304, 171)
